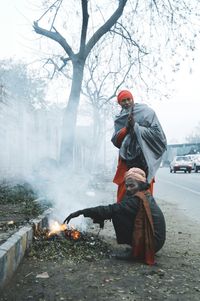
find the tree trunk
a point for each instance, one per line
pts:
(78, 61)
(70, 115)
(97, 138)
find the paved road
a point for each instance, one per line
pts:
(181, 189)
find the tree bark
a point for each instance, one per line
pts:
(70, 115)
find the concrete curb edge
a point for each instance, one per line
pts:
(12, 251)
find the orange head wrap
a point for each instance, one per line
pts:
(135, 174)
(124, 94)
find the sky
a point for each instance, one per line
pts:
(15, 28)
(178, 115)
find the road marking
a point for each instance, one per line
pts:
(182, 187)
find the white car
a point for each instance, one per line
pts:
(196, 162)
(181, 163)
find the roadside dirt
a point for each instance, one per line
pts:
(176, 275)
(18, 205)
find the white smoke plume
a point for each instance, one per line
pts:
(30, 146)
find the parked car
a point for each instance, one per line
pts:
(196, 162)
(195, 159)
(181, 163)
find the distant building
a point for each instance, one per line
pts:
(179, 150)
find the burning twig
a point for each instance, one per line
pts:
(56, 229)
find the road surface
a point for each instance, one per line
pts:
(182, 189)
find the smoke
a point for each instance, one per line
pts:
(30, 138)
(68, 192)
(30, 146)
(26, 138)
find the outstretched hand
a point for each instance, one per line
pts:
(72, 215)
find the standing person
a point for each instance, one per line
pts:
(140, 139)
(137, 219)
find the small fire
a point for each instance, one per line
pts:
(75, 234)
(57, 228)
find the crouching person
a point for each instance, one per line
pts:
(138, 221)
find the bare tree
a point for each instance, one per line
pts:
(100, 86)
(157, 28)
(78, 62)
(18, 84)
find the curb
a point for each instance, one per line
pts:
(12, 251)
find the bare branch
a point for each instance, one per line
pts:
(57, 9)
(105, 27)
(56, 36)
(65, 61)
(84, 26)
(48, 10)
(91, 69)
(125, 34)
(172, 11)
(104, 79)
(55, 67)
(140, 72)
(119, 85)
(155, 3)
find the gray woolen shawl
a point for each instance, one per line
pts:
(150, 136)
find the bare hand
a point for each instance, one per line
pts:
(72, 215)
(130, 122)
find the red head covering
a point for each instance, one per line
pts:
(124, 94)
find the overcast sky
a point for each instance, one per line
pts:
(179, 115)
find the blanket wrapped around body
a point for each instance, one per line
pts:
(149, 133)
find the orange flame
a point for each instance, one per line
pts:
(56, 228)
(75, 234)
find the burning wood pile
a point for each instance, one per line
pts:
(57, 229)
(61, 241)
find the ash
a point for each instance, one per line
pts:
(89, 247)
